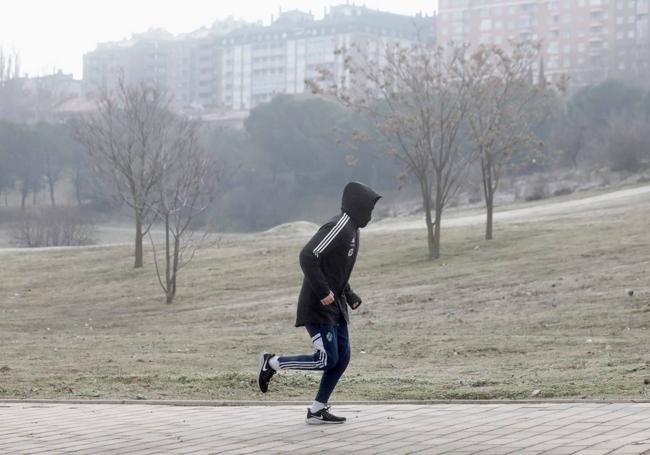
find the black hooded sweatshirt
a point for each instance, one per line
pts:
(328, 259)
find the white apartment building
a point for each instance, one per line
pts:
(233, 66)
(260, 62)
(186, 66)
(143, 58)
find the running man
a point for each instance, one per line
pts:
(327, 262)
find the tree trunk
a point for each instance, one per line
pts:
(431, 242)
(438, 219)
(436, 235)
(138, 239)
(488, 191)
(168, 272)
(77, 186)
(488, 226)
(23, 198)
(177, 251)
(426, 203)
(51, 184)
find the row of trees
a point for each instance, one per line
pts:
(37, 157)
(440, 109)
(286, 152)
(438, 112)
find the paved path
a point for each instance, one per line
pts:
(520, 428)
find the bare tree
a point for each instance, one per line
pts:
(187, 187)
(26, 162)
(6, 175)
(127, 139)
(503, 111)
(9, 90)
(9, 66)
(52, 147)
(418, 97)
(53, 173)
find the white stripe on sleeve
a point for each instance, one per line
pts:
(332, 234)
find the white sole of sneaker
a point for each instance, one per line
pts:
(321, 422)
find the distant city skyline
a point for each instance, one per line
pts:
(53, 36)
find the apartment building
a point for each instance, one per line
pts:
(186, 66)
(260, 62)
(587, 40)
(234, 66)
(144, 57)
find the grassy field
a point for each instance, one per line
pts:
(543, 307)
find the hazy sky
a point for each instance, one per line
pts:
(54, 34)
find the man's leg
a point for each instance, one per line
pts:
(319, 411)
(326, 355)
(332, 375)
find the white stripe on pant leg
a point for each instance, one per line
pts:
(305, 363)
(322, 361)
(301, 366)
(318, 344)
(308, 365)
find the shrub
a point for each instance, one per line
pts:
(626, 144)
(537, 189)
(54, 227)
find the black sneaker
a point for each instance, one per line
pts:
(265, 372)
(323, 416)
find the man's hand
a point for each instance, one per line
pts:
(329, 299)
(353, 300)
